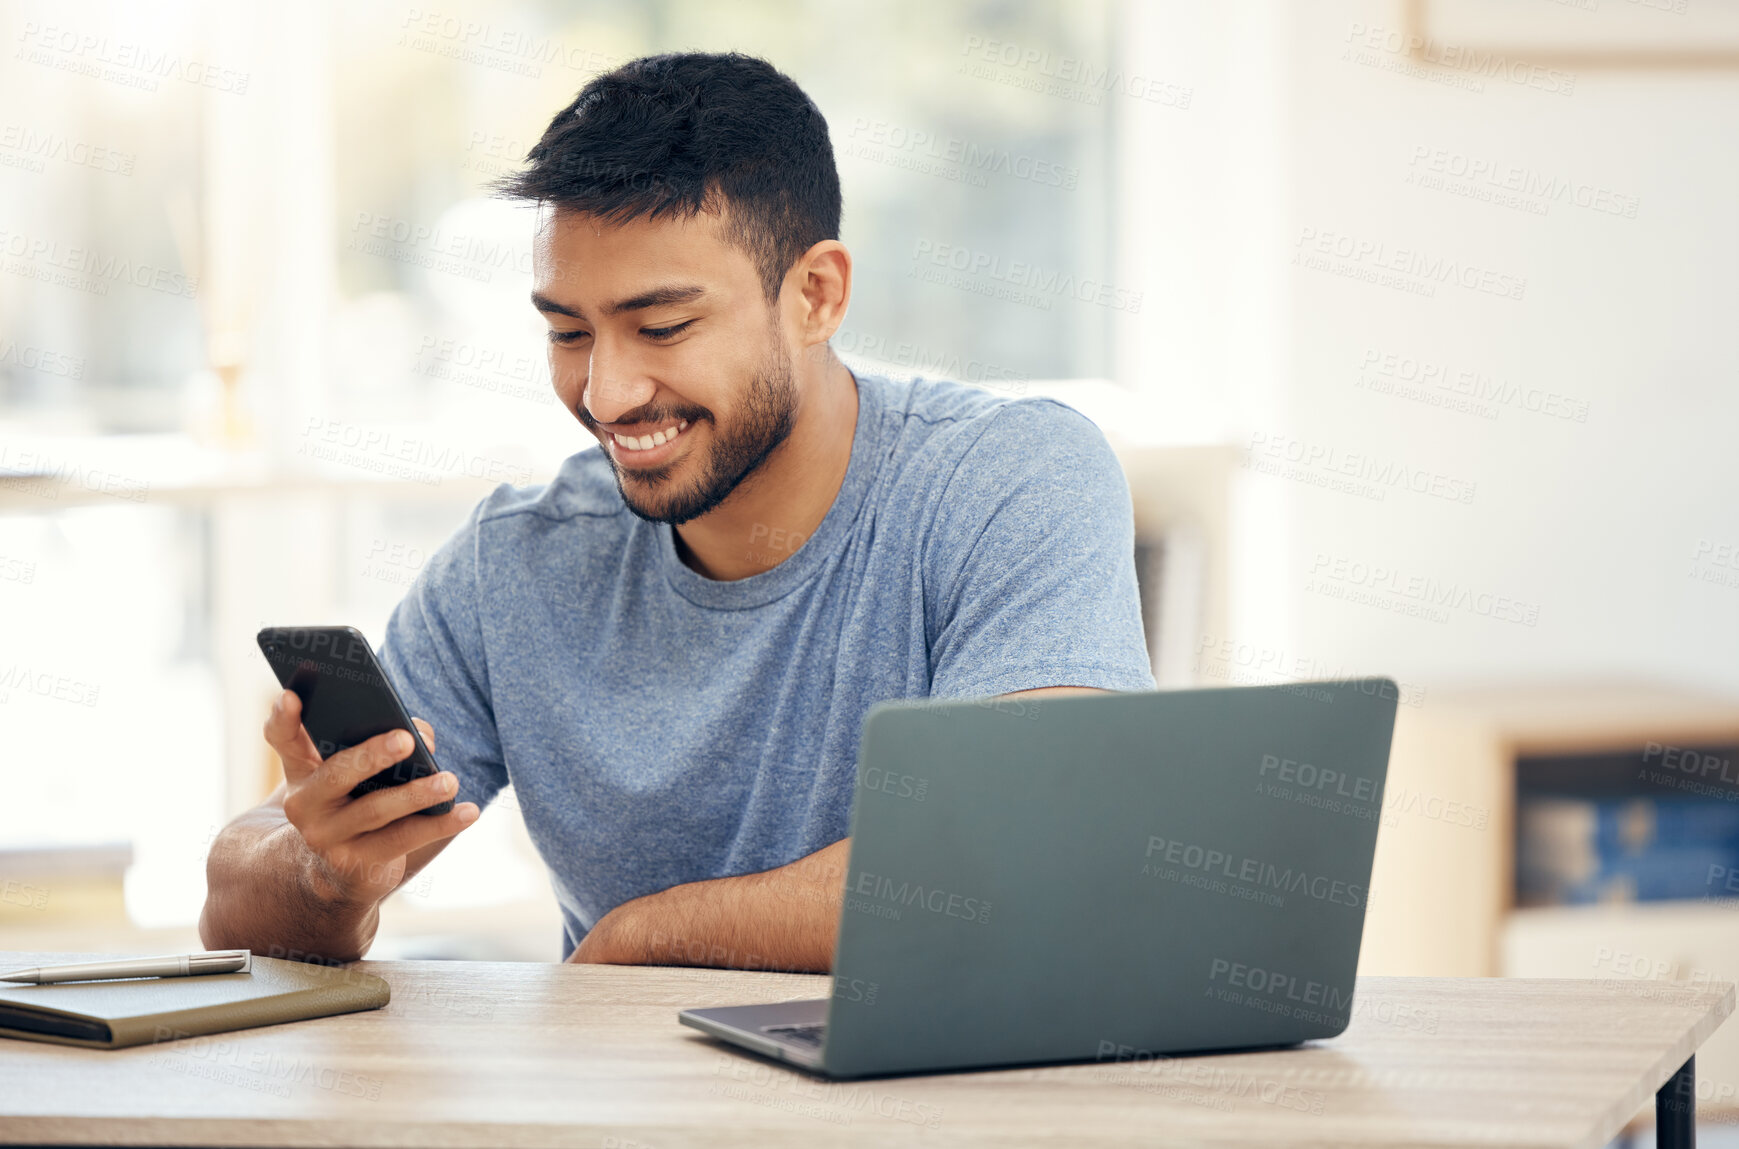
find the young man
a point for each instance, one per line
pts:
(669, 650)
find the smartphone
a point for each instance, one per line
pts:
(346, 698)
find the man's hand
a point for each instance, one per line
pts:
(358, 844)
(782, 919)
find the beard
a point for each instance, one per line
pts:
(769, 411)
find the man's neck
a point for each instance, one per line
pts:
(777, 507)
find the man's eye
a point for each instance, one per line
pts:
(665, 332)
(567, 336)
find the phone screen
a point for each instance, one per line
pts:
(346, 698)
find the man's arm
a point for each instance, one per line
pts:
(263, 892)
(782, 919)
(302, 874)
(1055, 692)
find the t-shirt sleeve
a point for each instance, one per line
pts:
(433, 652)
(1033, 562)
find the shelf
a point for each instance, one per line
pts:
(44, 473)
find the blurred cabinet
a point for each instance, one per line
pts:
(1443, 888)
(1182, 498)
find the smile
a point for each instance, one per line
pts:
(646, 448)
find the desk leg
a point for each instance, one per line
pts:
(1675, 1109)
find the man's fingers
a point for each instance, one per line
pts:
(407, 834)
(340, 773)
(428, 733)
(284, 734)
(383, 807)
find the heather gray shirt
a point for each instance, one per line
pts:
(661, 727)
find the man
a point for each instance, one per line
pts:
(669, 650)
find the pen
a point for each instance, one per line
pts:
(169, 965)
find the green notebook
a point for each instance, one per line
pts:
(139, 1011)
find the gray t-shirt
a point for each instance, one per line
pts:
(661, 727)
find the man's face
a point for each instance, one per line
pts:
(660, 335)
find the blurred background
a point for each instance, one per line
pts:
(1404, 316)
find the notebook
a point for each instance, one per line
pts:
(138, 1011)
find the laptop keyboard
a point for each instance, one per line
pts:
(810, 1035)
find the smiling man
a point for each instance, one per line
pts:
(669, 650)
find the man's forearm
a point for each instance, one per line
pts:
(262, 894)
(783, 919)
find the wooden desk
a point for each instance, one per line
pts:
(498, 1055)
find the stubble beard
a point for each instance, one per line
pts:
(769, 412)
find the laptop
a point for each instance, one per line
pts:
(1095, 877)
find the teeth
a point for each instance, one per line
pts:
(647, 442)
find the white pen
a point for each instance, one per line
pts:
(169, 965)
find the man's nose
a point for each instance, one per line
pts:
(615, 387)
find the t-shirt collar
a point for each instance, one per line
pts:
(816, 550)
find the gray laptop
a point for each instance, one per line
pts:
(1088, 877)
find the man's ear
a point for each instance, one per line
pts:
(819, 289)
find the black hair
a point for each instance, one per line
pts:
(686, 132)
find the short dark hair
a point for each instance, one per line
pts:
(692, 131)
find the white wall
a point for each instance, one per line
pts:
(1628, 315)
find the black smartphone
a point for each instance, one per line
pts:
(346, 698)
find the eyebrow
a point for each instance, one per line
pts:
(656, 297)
